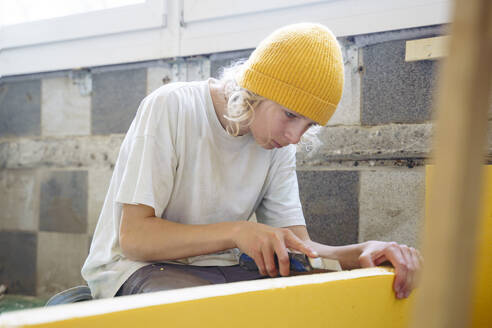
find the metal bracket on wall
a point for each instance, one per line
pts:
(181, 14)
(83, 79)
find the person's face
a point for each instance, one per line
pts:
(275, 126)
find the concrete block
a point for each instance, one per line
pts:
(20, 108)
(158, 76)
(220, 60)
(392, 205)
(392, 141)
(65, 110)
(59, 260)
(63, 205)
(18, 261)
(19, 197)
(363, 40)
(99, 180)
(395, 91)
(348, 110)
(330, 201)
(197, 69)
(80, 151)
(115, 99)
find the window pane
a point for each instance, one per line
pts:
(21, 11)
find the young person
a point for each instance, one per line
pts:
(201, 157)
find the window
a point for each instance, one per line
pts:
(21, 11)
(30, 22)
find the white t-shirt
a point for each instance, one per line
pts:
(178, 159)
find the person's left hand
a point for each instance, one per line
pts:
(406, 260)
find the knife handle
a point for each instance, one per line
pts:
(296, 262)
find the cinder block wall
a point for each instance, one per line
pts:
(60, 134)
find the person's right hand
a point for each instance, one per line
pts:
(262, 242)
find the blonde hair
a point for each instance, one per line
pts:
(241, 105)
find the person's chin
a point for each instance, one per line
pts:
(269, 146)
(266, 145)
(275, 144)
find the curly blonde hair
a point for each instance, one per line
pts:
(241, 105)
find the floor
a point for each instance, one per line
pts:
(19, 302)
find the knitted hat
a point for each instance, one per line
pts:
(300, 67)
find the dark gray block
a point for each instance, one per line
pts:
(18, 261)
(395, 91)
(20, 108)
(224, 59)
(63, 205)
(330, 200)
(115, 99)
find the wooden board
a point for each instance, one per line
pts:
(425, 49)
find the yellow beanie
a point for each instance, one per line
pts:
(300, 67)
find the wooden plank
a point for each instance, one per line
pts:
(358, 298)
(425, 49)
(450, 240)
(481, 302)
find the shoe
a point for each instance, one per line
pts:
(72, 295)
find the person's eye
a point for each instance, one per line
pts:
(289, 114)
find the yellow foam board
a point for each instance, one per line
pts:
(357, 298)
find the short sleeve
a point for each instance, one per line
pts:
(281, 206)
(148, 156)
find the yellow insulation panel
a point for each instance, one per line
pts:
(359, 298)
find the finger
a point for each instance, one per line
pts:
(407, 255)
(418, 265)
(293, 242)
(394, 255)
(258, 258)
(283, 257)
(268, 257)
(380, 259)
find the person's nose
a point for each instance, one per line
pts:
(294, 133)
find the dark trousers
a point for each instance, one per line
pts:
(164, 276)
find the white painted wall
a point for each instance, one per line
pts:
(173, 28)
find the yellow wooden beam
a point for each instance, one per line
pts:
(358, 298)
(482, 274)
(428, 48)
(481, 303)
